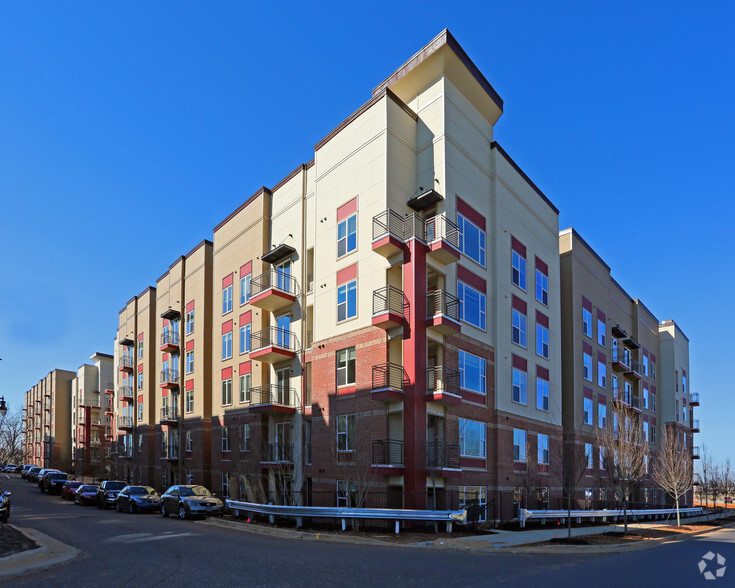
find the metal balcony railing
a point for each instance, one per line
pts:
(390, 299)
(169, 413)
(440, 227)
(695, 452)
(273, 394)
(442, 302)
(274, 337)
(389, 375)
(309, 282)
(274, 278)
(169, 376)
(125, 422)
(635, 366)
(387, 452)
(126, 361)
(278, 453)
(636, 402)
(621, 356)
(442, 379)
(441, 455)
(388, 222)
(171, 452)
(126, 391)
(169, 337)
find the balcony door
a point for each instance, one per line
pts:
(283, 276)
(282, 386)
(283, 441)
(283, 324)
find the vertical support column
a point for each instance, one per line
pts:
(414, 362)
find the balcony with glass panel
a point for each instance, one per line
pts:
(694, 399)
(169, 378)
(169, 415)
(273, 290)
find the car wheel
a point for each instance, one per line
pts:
(182, 512)
(131, 508)
(163, 511)
(4, 518)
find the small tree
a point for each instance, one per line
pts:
(706, 473)
(573, 459)
(726, 481)
(673, 470)
(11, 438)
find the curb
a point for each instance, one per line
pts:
(48, 554)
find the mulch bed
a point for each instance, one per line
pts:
(13, 541)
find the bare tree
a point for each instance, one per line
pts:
(11, 438)
(673, 470)
(625, 454)
(726, 481)
(706, 475)
(572, 459)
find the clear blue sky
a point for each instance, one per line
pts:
(128, 130)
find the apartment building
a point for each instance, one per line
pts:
(47, 440)
(616, 354)
(91, 416)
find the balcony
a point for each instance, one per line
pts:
(125, 422)
(442, 238)
(273, 291)
(387, 456)
(695, 425)
(620, 360)
(108, 433)
(443, 458)
(273, 399)
(171, 452)
(635, 370)
(170, 341)
(390, 308)
(695, 452)
(694, 399)
(126, 364)
(442, 385)
(636, 403)
(389, 382)
(126, 393)
(273, 345)
(277, 453)
(169, 378)
(388, 233)
(442, 312)
(169, 415)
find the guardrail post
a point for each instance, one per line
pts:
(299, 522)
(344, 525)
(449, 526)
(522, 516)
(398, 526)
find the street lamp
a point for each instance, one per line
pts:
(3, 408)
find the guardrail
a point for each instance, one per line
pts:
(311, 512)
(605, 513)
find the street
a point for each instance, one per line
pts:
(148, 550)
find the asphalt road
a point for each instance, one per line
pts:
(148, 550)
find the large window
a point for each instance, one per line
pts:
(542, 394)
(244, 437)
(587, 366)
(542, 340)
(346, 435)
(471, 240)
(543, 449)
(347, 301)
(189, 442)
(519, 445)
(244, 338)
(245, 387)
(645, 431)
(140, 348)
(602, 415)
(587, 322)
(587, 411)
(519, 328)
(225, 437)
(347, 235)
(227, 345)
(472, 305)
(189, 361)
(189, 321)
(601, 335)
(519, 386)
(227, 391)
(346, 367)
(471, 438)
(542, 287)
(588, 455)
(245, 290)
(140, 380)
(645, 365)
(518, 274)
(601, 374)
(140, 411)
(645, 397)
(469, 495)
(227, 299)
(471, 372)
(189, 405)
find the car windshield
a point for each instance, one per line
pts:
(195, 491)
(35, 470)
(58, 476)
(141, 490)
(74, 484)
(88, 489)
(115, 486)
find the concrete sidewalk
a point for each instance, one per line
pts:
(49, 553)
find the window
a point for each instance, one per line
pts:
(471, 372)
(245, 290)
(518, 273)
(140, 380)
(587, 322)
(519, 386)
(346, 367)
(472, 305)
(543, 449)
(244, 338)
(645, 397)
(189, 442)
(140, 348)
(653, 370)
(542, 341)
(519, 445)
(645, 431)
(225, 484)
(587, 411)
(346, 432)
(189, 321)
(601, 374)
(225, 437)
(653, 402)
(471, 438)
(140, 443)
(244, 437)
(645, 365)
(140, 411)
(189, 362)
(684, 413)
(471, 240)
(588, 456)
(653, 433)
(347, 235)
(628, 392)
(587, 366)
(542, 394)
(347, 301)
(227, 299)
(601, 335)
(227, 391)
(189, 404)
(542, 287)
(615, 425)
(245, 386)
(519, 328)
(602, 465)
(227, 345)
(601, 415)
(164, 441)
(346, 494)
(684, 383)
(474, 495)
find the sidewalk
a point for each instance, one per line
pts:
(50, 553)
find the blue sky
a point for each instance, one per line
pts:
(128, 130)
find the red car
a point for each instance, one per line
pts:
(68, 489)
(86, 494)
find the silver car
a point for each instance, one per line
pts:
(190, 501)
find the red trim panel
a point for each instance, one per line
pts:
(227, 327)
(517, 246)
(244, 368)
(601, 357)
(190, 306)
(227, 373)
(470, 213)
(519, 305)
(227, 281)
(347, 274)
(601, 398)
(246, 269)
(189, 385)
(600, 315)
(246, 317)
(347, 209)
(542, 267)
(586, 304)
(587, 348)
(542, 372)
(471, 279)
(587, 392)
(520, 363)
(542, 319)
(190, 345)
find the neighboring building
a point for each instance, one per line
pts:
(91, 420)
(615, 352)
(48, 421)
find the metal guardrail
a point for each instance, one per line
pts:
(273, 394)
(388, 222)
(125, 361)
(593, 514)
(169, 413)
(276, 279)
(390, 299)
(125, 422)
(441, 455)
(387, 452)
(440, 227)
(274, 337)
(389, 375)
(277, 453)
(170, 337)
(310, 512)
(442, 379)
(126, 391)
(635, 366)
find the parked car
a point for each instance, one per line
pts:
(107, 493)
(86, 494)
(9, 468)
(135, 499)
(32, 473)
(19, 468)
(54, 482)
(26, 468)
(44, 474)
(190, 501)
(4, 506)
(68, 489)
